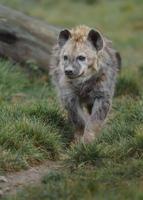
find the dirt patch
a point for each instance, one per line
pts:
(12, 182)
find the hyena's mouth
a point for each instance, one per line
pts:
(75, 76)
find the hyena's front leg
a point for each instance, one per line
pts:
(96, 120)
(75, 115)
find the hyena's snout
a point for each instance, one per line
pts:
(72, 72)
(69, 72)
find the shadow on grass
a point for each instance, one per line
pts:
(63, 126)
(127, 86)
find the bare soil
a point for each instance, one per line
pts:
(17, 180)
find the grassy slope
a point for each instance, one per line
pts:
(112, 166)
(28, 134)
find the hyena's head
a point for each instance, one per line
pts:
(79, 50)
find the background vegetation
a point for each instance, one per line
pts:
(33, 128)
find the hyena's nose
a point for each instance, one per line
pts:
(68, 72)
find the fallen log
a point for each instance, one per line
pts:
(26, 39)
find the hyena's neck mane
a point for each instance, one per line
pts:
(92, 80)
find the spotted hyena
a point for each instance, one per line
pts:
(84, 68)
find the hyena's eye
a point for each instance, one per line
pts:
(81, 58)
(65, 57)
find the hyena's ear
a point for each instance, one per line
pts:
(63, 37)
(96, 39)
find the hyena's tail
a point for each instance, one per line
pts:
(119, 60)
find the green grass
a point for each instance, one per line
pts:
(82, 184)
(30, 120)
(33, 128)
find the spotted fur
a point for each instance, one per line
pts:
(87, 96)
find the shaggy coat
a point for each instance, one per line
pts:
(84, 68)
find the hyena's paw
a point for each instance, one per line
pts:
(76, 140)
(88, 137)
(77, 137)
